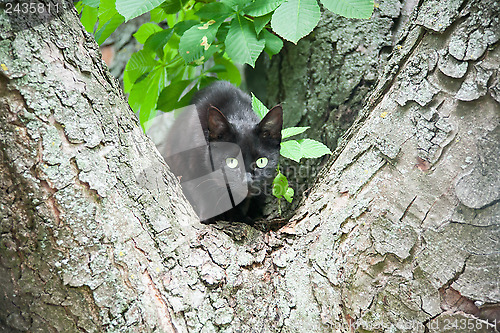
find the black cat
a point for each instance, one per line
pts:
(223, 154)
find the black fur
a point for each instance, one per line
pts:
(225, 115)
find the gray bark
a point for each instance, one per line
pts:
(401, 233)
(86, 201)
(404, 222)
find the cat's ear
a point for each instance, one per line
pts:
(218, 126)
(271, 125)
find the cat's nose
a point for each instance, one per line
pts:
(249, 178)
(253, 187)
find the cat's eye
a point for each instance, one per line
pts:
(231, 162)
(262, 162)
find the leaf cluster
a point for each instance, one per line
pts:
(202, 41)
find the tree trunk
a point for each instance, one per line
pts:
(402, 228)
(91, 221)
(400, 234)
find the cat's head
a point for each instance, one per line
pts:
(254, 159)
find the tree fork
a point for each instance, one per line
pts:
(97, 236)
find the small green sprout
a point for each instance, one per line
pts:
(292, 149)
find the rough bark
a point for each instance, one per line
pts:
(401, 233)
(403, 226)
(86, 201)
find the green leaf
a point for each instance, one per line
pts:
(170, 95)
(106, 12)
(222, 32)
(207, 54)
(127, 84)
(242, 44)
(192, 72)
(274, 44)
(172, 6)
(291, 131)
(157, 41)
(133, 8)
(295, 19)
(361, 9)
(261, 7)
(173, 43)
(205, 81)
(181, 27)
(289, 194)
(232, 74)
(158, 15)
(143, 95)
(215, 47)
(91, 3)
(214, 10)
(291, 149)
(140, 63)
(108, 28)
(258, 107)
(280, 185)
(235, 4)
(307, 148)
(146, 30)
(186, 99)
(313, 149)
(218, 68)
(78, 6)
(89, 18)
(196, 41)
(109, 20)
(281, 188)
(176, 67)
(261, 21)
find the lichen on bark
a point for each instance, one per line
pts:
(82, 237)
